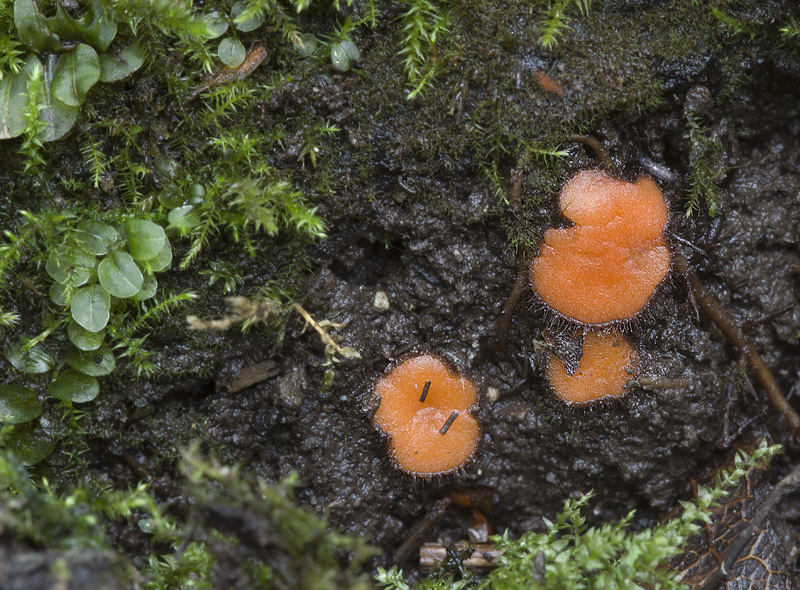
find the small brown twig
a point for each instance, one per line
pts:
(726, 322)
(599, 149)
(419, 531)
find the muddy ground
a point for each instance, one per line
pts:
(446, 277)
(435, 240)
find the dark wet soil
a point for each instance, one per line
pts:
(446, 272)
(441, 258)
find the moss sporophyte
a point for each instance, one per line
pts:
(424, 408)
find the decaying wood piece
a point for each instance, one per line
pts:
(738, 549)
(226, 75)
(484, 557)
(253, 374)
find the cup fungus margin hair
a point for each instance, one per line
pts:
(431, 435)
(606, 267)
(606, 365)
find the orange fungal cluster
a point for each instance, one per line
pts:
(607, 363)
(607, 265)
(425, 410)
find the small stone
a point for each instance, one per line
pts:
(381, 301)
(492, 394)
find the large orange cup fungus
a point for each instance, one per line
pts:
(425, 410)
(606, 267)
(607, 364)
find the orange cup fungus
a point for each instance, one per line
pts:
(424, 408)
(607, 265)
(607, 364)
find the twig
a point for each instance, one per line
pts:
(499, 341)
(420, 530)
(324, 336)
(599, 149)
(725, 321)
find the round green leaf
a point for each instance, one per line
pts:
(119, 275)
(76, 72)
(14, 98)
(183, 217)
(250, 24)
(113, 68)
(231, 52)
(339, 57)
(196, 194)
(96, 238)
(148, 288)
(163, 260)
(32, 361)
(94, 363)
(29, 443)
(69, 264)
(74, 386)
(31, 25)
(145, 238)
(57, 115)
(83, 338)
(216, 25)
(58, 294)
(90, 307)
(350, 50)
(19, 404)
(307, 46)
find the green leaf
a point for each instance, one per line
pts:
(29, 443)
(94, 363)
(145, 238)
(245, 25)
(58, 294)
(19, 404)
(75, 73)
(113, 69)
(119, 275)
(339, 57)
(83, 338)
(94, 28)
(96, 238)
(308, 45)
(31, 25)
(148, 288)
(74, 386)
(231, 52)
(163, 259)
(183, 217)
(59, 116)
(350, 50)
(66, 264)
(97, 28)
(90, 307)
(32, 361)
(14, 99)
(216, 25)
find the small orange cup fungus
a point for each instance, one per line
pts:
(424, 408)
(607, 363)
(606, 267)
